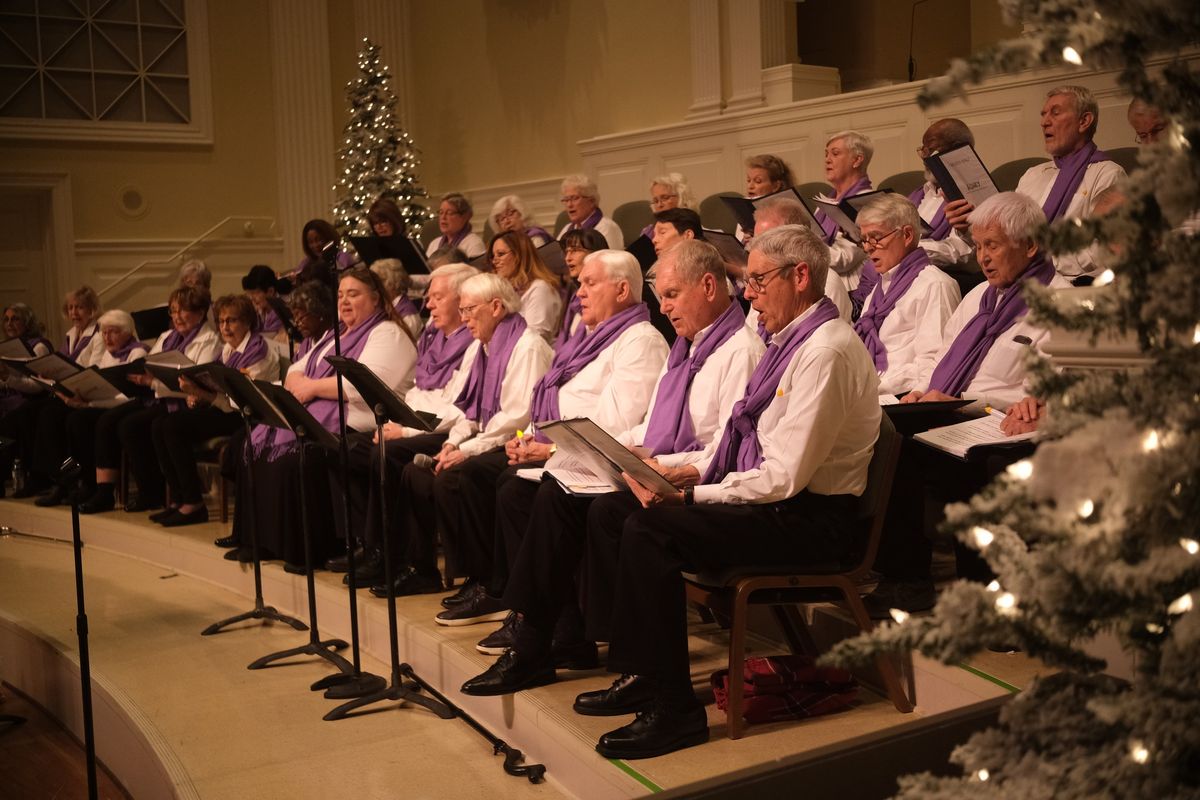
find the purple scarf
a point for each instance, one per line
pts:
(580, 351)
(534, 231)
(588, 223)
(33, 341)
(256, 351)
(458, 237)
(73, 352)
(438, 355)
(939, 227)
(868, 279)
(869, 324)
(404, 306)
(305, 345)
(480, 397)
(276, 441)
(739, 449)
(180, 341)
(648, 231)
(830, 227)
(270, 321)
(124, 351)
(670, 429)
(574, 308)
(1071, 170)
(958, 367)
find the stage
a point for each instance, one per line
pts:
(179, 715)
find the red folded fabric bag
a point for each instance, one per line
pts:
(779, 688)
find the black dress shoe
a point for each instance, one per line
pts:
(459, 597)
(479, 607)
(511, 673)
(139, 505)
(180, 518)
(97, 503)
(227, 541)
(294, 569)
(342, 563)
(54, 497)
(575, 655)
(501, 639)
(159, 516)
(368, 570)
(656, 732)
(408, 582)
(628, 694)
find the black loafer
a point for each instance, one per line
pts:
(511, 673)
(159, 516)
(294, 569)
(655, 733)
(627, 695)
(342, 563)
(97, 504)
(227, 541)
(408, 582)
(368, 571)
(54, 497)
(179, 518)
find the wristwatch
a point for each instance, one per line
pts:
(689, 495)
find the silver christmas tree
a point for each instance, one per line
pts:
(378, 157)
(1095, 534)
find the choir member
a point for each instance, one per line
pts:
(208, 415)
(397, 283)
(709, 364)
(785, 477)
(385, 218)
(120, 345)
(506, 360)
(767, 174)
(21, 396)
(607, 374)
(1147, 122)
(904, 315)
(454, 223)
(576, 246)
(847, 156)
(581, 199)
(126, 428)
(666, 192)
(516, 260)
(674, 226)
(788, 211)
(316, 235)
(195, 273)
(259, 284)
(509, 213)
(945, 244)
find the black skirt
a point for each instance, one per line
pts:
(269, 496)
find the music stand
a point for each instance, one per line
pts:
(231, 382)
(287, 413)
(386, 405)
(354, 683)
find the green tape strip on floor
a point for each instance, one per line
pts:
(992, 678)
(637, 776)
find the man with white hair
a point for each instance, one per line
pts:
(903, 316)
(847, 156)
(454, 223)
(982, 357)
(444, 357)
(781, 487)
(779, 211)
(507, 359)
(544, 530)
(581, 199)
(606, 375)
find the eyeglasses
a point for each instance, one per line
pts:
(570, 198)
(757, 283)
(874, 242)
(512, 212)
(1150, 135)
(466, 311)
(662, 199)
(228, 320)
(570, 250)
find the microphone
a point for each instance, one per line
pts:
(424, 461)
(329, 249)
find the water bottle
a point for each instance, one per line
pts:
(18, 476)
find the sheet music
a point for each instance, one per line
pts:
(835, 213)
(960, 438)
(728, 246)
(966, 170)
(53, 367)
(91, 387)
(14, 348)
(170, 358)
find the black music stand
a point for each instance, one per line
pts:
(287, 413)
(354, 683)
(231, 382)
(387, 406)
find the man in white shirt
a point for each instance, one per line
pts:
(903, 316)
(607, 375)
(782, 487)
(581, 199)
(785, 211)
(710, 363)
(454, 222)
(945, 244)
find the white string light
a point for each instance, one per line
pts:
(1071, 56)
(983, 537)
(1191, 545)
(1139, 752)
(1006, 603)
(994, 586)
(1086, 508)
(900, 616)
(1021, 470)
(983, 775)
(1150, 442)
(1180, 605)
(1105, 278)
(1155, 628)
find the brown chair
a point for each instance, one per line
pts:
(782, 587)
(209, 455)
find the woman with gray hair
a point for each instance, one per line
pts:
(581, 199)
(195, 272)
(510, 214)
(667, 192)
(847, 156)
(397, 282)
(454, 222)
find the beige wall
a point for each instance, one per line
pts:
(186, 188)
(502, 91)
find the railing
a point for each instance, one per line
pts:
(248, 227)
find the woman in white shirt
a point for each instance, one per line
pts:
(515, 259)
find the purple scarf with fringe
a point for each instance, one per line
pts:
(869, 324)
(1071, 170)
(256, 351)
(438, 355)
(480, 397)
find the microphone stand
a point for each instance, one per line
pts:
(912, 18)
(356, 683)
(68, 476)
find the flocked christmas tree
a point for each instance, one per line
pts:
(378, 157)
(1096, 534)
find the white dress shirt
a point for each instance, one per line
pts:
(93, 351)
(819, 431)
(389, 353)
(912, 332)
(471, 245)
(440, 401)
(265, 369)
(541, 306)
(1001, 378)
(530, 359)
(610, 230)
(1037, 182)
(109, 360)
(954, 249)
(614, 389)
(719, 384)
(202, 350)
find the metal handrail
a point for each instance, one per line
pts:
(202, 237)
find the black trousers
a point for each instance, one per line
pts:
(606, 517)
(515, 498)
(543, 577)
(107, 445)
(20, 424)
(80, 427)
(464, 510)
(50, 439)
(135, 431)
(175, 437)
(649, 633)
